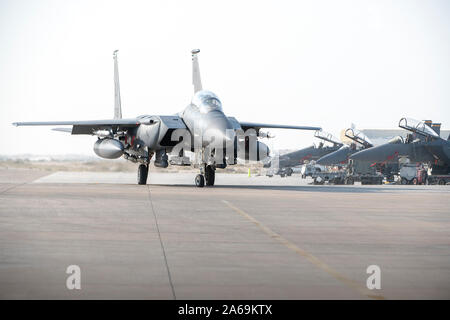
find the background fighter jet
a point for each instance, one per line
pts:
(422, 145)
(362, 171)
(358, 141)
(202, 128)
(282, 165)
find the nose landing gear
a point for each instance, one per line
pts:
(200, 181)
(142, 174)
(210, 175)
(207, 176)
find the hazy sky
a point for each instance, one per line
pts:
(326, 63)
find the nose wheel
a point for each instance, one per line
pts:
(206, 177)
(200, 181)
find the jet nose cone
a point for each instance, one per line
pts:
(337, 157)
(360, 155)
(219, 131)
(386, 152)
(215, 137)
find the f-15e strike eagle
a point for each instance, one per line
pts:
(282, 164)
(359, 141)
(422, 145)
(202, 128)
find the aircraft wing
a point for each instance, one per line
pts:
(111, 122)
(87, 126)
(90, 126)
(257, 126)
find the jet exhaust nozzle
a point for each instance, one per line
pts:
(108, 148)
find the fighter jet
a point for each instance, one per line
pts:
(422, 145)
(358, 142)
(282, 165)
(202, 128)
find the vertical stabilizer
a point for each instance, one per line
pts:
(117, 103)
(196, 80)
(437, 128)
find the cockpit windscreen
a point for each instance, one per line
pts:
(206, 101)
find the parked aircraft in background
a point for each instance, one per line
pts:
(359, 141)
(283, 164)
(422, 145)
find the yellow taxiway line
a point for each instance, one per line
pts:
(310, 257)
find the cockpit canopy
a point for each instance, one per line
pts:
(320, 134)
(206, 101)
(358, 136)
(417, 126)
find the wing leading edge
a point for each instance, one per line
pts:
(90, 126)
(257, 126)
(109, 122)
(85, 126)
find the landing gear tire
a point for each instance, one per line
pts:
(200, 181)
(349, 181)
(142, 174)
(210, 175)
(319, 181)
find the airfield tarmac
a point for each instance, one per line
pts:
(245, 238)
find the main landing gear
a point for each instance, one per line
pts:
(142, 174)
(207, 175)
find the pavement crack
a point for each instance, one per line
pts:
(13, 187)
(162, 244)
